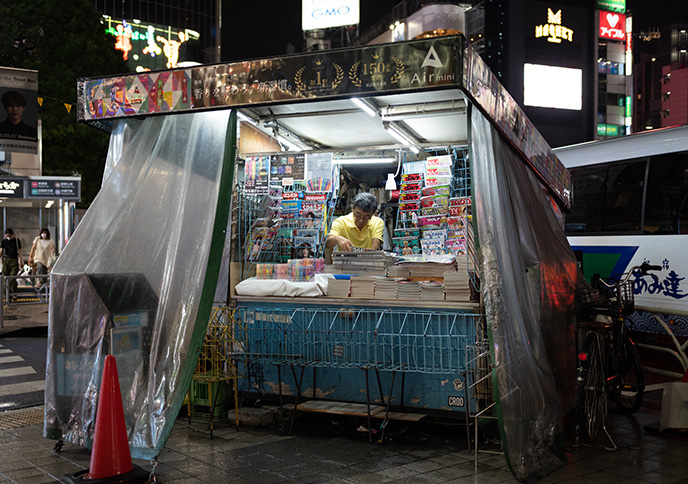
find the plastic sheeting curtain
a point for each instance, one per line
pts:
(528, 275)
(137, 279)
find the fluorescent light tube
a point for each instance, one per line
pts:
(362, 161)
(364, 106)
(243, 117)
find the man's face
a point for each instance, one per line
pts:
(361, 218)
(15, 113)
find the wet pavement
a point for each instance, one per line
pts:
(328, 449)
(325, 449)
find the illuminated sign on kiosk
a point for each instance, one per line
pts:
(553, 29)
(612, 25)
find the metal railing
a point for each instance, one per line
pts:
(32, 289)
(388, 340)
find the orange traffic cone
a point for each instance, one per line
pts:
(110, 457)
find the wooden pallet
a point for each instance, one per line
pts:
(356, 410)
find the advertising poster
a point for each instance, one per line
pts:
(257, 174)
(287, 166)
(19, 115)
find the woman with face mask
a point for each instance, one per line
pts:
(41, 251)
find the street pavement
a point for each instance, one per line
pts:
(329, 449)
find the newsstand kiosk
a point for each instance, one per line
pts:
(479, 204)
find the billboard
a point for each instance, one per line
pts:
(19, 117)
(612, 25)
(146, 46)
(612, 5)
(552, 87)
(323, 14)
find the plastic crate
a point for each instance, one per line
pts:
(200, 393)
(220, 413)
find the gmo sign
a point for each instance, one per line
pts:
(322, 14)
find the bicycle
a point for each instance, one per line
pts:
(608, 362)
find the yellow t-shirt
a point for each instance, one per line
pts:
(346, 227)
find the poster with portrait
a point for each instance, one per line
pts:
(19, 116)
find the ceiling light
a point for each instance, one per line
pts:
(364, 106)
(291, 146)
(246, 118)
(362, 161)
(401, 137)
(49, 203)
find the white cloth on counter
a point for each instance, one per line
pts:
(283, 287)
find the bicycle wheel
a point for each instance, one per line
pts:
(590, 392)
(630, 385)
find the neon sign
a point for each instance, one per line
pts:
(148, 47)
(612, 25)
(553, 29)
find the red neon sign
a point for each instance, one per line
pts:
(612, 25)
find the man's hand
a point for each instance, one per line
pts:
(342, 242)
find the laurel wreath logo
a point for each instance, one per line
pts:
(353, 74)
(300, 86)
(398, 70)
(339, 76)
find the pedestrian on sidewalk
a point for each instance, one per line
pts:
(42, 254)
(10, 250)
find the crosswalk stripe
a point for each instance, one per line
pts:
(5, 351)
(19, 388)
(11, 359)
(24, 370)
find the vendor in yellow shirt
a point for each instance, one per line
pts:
(360, 228)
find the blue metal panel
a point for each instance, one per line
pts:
(336, 344)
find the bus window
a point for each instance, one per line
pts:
(607, 198)
(588, 199)
(666, 207)
(624, 197)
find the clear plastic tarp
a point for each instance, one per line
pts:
(138, 277)
(528, 278)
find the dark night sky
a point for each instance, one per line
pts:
(263, 29)
(255, 29)
(657, 13)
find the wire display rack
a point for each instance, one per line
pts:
(386, 340)
(222, 349)
(481, 404)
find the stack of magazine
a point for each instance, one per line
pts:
(431, 291)
(428, 266)
(386, 287)
(457, 284)
(408, 290)
(362, 286)
(364, 263)
(338, 287)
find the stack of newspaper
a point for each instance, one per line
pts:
(362, 286)
(408, 290)
(338, 287)
(398, 270)
(386, 287)
(367, 262)
(457, 286)
(428, 266)
(431, 291)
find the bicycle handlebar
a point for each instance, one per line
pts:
(643, 268)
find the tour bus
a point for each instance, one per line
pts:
(630, 205)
